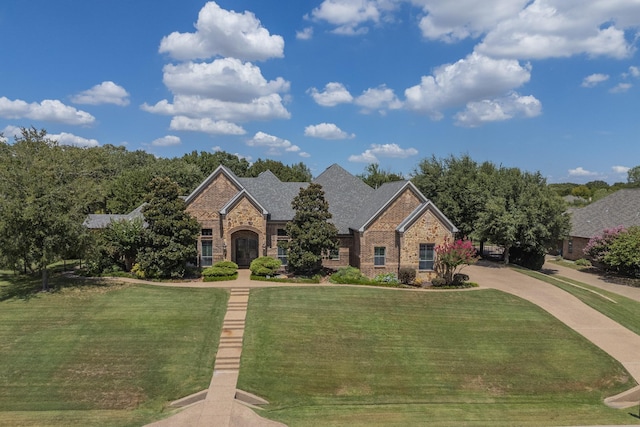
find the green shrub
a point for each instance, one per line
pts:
(389, 278)
(221, 269)
(407, 275)
(582, 262)
(438, 281)
(527, 257)
(265, 266)
(460, 278)
(348, 275)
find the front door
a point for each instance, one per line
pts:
(246, 251)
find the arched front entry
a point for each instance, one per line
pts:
(244, 247)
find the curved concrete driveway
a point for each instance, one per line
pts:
(618, 341)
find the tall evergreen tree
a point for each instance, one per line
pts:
(310, 232)
(171, 234)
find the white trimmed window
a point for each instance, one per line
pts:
(379, 255)
(206, 256)
(282, 255)
(427, 256)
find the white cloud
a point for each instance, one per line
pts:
(621, 88)
(594, 79)
(499, 109)
(326, 131)
(349, 15)
(166, 141)
(451, 21)
(65, 138)
(221, 32)
(274, 144)
(560, 28)
(380, 98)
(50, 110)
(206, 125)
(262, 108)
(634, 71)
(105, 93)
(304, 154)
(10, 132)
(376, 151)
(620, 169)
(473, 78)
(580, 171)
(334, 93)
(226, 79)
(305, 33)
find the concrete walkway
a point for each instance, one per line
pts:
(220, 407)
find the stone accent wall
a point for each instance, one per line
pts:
(426, 229)
(206, 207)
(245, 215)
(382, 233)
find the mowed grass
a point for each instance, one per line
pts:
(104, 354)
(353, 356)
(621, 309)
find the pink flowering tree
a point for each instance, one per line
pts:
(452, 257)
(598, 246)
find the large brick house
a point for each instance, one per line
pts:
(380, 230)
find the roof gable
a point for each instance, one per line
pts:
(237, 198)
(384, 197)
(219, 170)
(419, 211)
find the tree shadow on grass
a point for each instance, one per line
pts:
(26, 286)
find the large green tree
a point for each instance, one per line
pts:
(208, 162)
(374, 177)
(40, 217)
(521, 210)
(457, 185)
(297, 172)
(171, 234)
(310, 231)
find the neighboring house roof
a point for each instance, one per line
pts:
(619, 208)
(97, 221)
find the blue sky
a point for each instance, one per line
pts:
(544, 85)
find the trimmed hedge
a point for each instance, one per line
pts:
(225, 269)
(265, 266)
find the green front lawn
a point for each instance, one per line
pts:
(354, 356)
(104, 354)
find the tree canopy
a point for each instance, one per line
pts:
(40, 219)
(374, 177)
(503, 205)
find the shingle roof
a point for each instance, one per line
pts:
(274, 195)
(619, 208)
(97, 221)
(346, 194)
